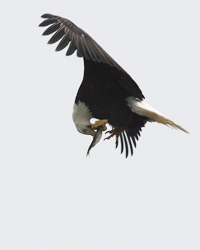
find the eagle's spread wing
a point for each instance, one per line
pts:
(78, 40)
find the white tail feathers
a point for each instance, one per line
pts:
(142, 108)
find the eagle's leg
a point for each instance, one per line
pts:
(100, 123)
(113, 132)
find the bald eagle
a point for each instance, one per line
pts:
(107, 91)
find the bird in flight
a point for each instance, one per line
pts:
(107, 92)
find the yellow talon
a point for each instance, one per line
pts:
(100, 123)
(114, 132)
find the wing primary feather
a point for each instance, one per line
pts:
(126, 144)
(52, 29)
(63, 43)
(77, 45)
(136, 136)
(133, 135)
(85, 50)
(72, 47)
(48, 22)
(90, 50)
(116, 144)
(134, 142)
(57, 36)
(80, 51)
(122, 143)
(46, 15)
(129, 141)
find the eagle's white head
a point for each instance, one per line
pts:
(81, 117)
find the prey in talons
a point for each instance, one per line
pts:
(96, 130)
(96, 138)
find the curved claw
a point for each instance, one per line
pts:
(113, 132)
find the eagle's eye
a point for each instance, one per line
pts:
(84, 130)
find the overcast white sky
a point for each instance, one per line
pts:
(53, 197)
